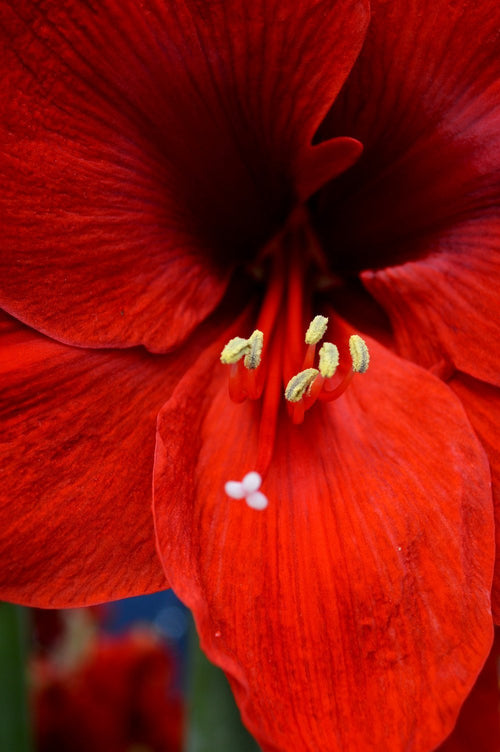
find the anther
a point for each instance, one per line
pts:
(255, 345)
(299, 384)
(234, 351)
(316, 330)
(328, 360)
(359, 354)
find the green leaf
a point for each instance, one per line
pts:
(213, 721)
(15, 730)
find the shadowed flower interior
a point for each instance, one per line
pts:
(278, 361)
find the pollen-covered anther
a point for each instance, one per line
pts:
(234, 351)
(300, 384)
(328, 360)
(316, 330)
(254, 353)
(360, 355)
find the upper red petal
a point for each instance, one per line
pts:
(445, 307)
(353, 613)
(145, 146)
(424, 99)
(77, 448)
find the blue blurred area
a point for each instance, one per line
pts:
(163, 612)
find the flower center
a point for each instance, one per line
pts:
(277, 361)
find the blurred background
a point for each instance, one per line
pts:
(129, 676)
(126, 676)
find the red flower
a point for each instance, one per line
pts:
(160, 188)
(114, 697)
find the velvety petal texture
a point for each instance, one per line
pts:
(147, 142)
(420, 210)
(353, 613)
(482, 404)
(478, 725)
(446, 306)
(76, 451)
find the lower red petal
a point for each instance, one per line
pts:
(478, 725)
(353, 613)
(482, 404)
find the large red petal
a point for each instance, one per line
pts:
(478, 725)
(445, 307)
(424, 98)
(145, 144)
(353, 613)
(482, 404)
(77, 448)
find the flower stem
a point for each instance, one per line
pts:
(15, 729)
(213, 720)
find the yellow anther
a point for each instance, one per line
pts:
(316, 330)
(299, 384)
(359, 354)
(255, 343)
(328, 360)
(234, 351)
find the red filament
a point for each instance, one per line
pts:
(283, 320)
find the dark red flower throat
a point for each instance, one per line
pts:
(277, 361)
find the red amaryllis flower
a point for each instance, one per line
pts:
(117, 695)
(172, 178)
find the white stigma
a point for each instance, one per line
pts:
(248, 489)
(234, 489)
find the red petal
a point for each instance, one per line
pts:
(145, 144)
(324, 162)
(424, 98)
(478, 725)
(78, 435)
(482, 404)
(445, 307)
(353, 613)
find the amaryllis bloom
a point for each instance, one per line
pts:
(181, 175)
(116, 696)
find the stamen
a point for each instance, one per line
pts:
(359, 354)
(360, 359)
(242, 377)
(299, 384)
(328, 360)
(254, 354)
(316, 330)
(238, 391)
(314, 334)
(235, 349)
(257, 372)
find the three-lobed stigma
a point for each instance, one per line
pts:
(248, 489)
